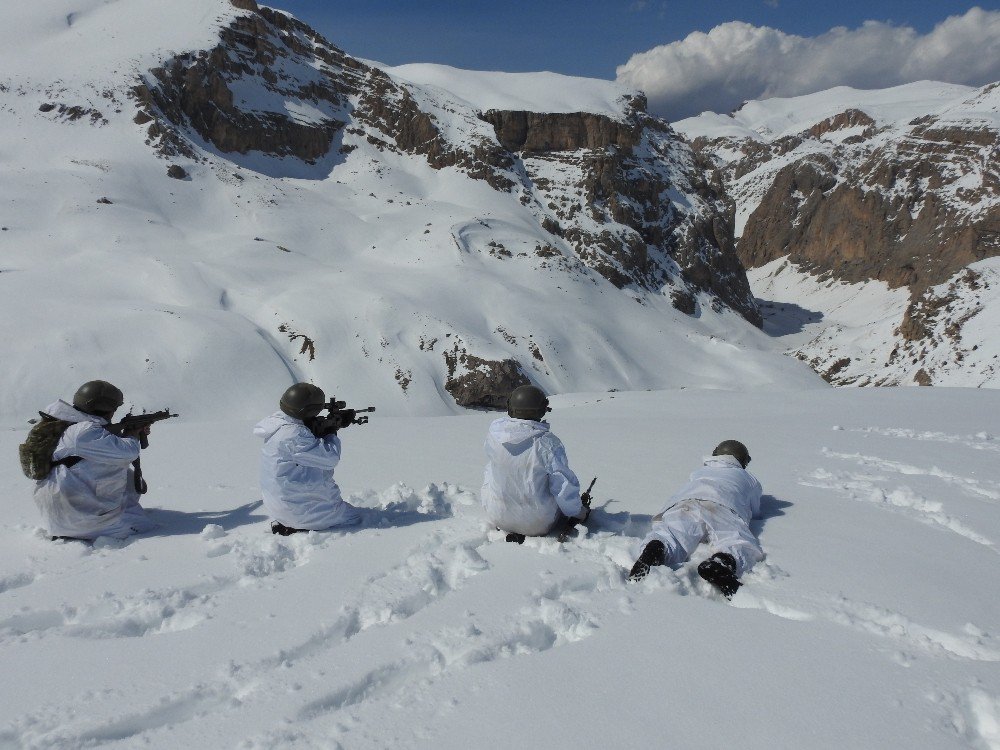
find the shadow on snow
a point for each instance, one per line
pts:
(786, 318)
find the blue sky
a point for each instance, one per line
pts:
(687, 56)
(585, 37)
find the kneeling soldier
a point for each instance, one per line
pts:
(91, 489)
(296, 465)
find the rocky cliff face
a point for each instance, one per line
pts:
(910, 203)
(912, 211)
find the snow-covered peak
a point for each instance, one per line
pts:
(530, 92)
(980, 108)
(769, 119)
(80, 41)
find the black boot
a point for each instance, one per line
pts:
(279, 528)
(720, 571)
(516, 538)
(652, 554)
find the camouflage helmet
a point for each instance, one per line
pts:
(97, 397)
(527, 402)
(733, 448)
(302, 401)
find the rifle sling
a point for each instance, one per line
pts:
(68, 461)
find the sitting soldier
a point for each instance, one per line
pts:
(528, 487)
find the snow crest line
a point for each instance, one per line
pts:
(981, 441)
(883, 622)
(902, 499)
(971, 486)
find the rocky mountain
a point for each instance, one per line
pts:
(208, 199)
(900, 186)
(599, 183)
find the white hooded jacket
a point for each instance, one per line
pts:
(527, 482)
(296, 475)
(96, 496)
(724, 481)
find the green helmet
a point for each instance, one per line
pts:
(527, 402)
(733, 448)
(97, 397)
(302, 401)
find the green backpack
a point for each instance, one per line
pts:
(36, 451)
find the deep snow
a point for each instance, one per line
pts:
(872, 623)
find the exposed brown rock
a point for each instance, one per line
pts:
(904, 233)
(535, 131)
(850, 118)
(480, 383)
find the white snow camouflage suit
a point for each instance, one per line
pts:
(715, 506)
(96, 496)
(296, 475)
(528, 485)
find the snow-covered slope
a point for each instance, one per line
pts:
(531, 92)
(872, 623)
(329, 221)
(770, 119)
(868, 334)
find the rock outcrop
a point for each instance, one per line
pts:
(480, 383)
(899, 216)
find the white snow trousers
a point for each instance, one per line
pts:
(684, 526)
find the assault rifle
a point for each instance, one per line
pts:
(137, 424)
(337, 417)
(570, 523)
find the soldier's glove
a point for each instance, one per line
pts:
(345, 418)
(317, 426)
(137, 432)
(586, 499)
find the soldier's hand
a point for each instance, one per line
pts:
(346, 417)
(139, 431)
(586, 499)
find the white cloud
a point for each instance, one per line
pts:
(737, 61)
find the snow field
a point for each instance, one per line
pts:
(828, 320)
(869, 624)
